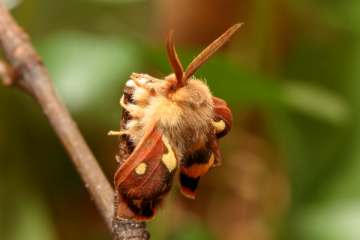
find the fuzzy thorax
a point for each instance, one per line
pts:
(184, 115)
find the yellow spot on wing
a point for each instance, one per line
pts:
(141, 169)
(219, 126)
(169, 158)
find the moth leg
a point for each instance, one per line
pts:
(135, 82)
(141, 96)
(140, 80)
(134, 110)
(122, 102)
(143, 78)
(133, 124)
(118, 133)
(144, 81)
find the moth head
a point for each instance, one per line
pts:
(181, 77)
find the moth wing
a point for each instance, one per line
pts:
(146, 176)
(223, 117)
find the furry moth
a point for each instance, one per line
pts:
(171, 125)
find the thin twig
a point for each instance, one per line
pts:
(26, 71)
(34, 77)
(7, 74)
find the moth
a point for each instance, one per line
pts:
(172, 126)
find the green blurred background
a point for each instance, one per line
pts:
(291, 165)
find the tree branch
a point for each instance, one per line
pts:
(35, 79)
(26, 71)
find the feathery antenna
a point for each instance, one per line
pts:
(181, 76)
(174, 59)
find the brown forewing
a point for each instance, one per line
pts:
(138, 195)
(222, 112)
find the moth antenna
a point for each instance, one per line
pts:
(209, 51)
(174, 59)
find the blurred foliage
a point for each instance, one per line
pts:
(291, 166)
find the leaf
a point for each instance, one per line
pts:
(330, 221)
(11, 4)
(32, 221)
(88, 70)
(337, 14)
(117, 1)
(316, 101)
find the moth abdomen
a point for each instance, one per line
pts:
(193, 166)
(188, 185)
